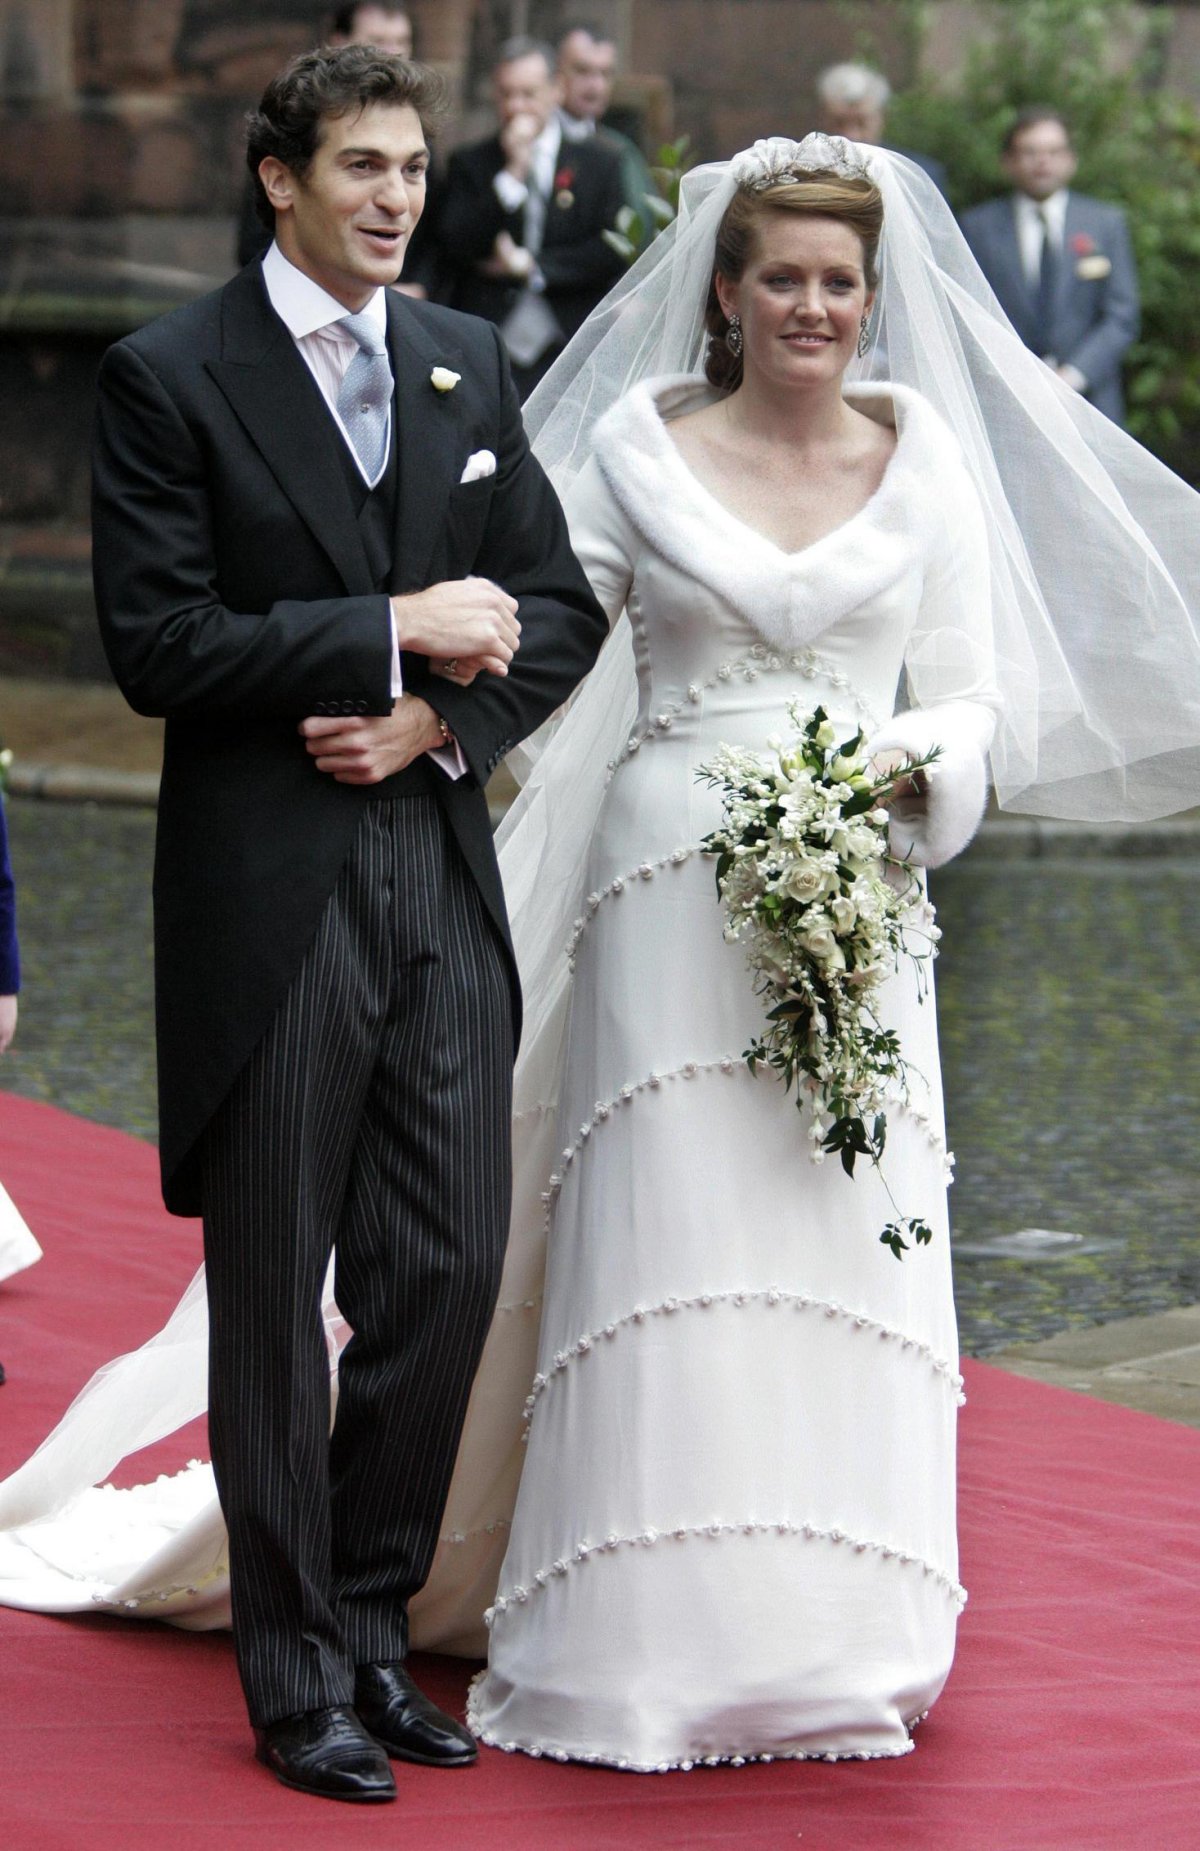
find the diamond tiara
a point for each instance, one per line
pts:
(776, 160)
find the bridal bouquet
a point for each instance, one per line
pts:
(803, 870)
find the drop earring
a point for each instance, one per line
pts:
(864, 336)
(733, 336)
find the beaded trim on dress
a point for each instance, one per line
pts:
(538, 1752)
(751, 1526)
(739, 1297)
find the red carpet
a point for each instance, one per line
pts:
(1070, 1722)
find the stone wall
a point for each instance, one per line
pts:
(744, 68)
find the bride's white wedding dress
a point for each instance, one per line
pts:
(18, 1248)
(735, 1531)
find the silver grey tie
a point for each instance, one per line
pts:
(366, 393)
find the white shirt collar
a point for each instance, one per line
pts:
(1054, 206)
(303, 306)
(576, 128)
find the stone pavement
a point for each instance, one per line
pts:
(1148, 1363)
(1021, 912)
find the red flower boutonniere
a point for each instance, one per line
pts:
(1091, 265)
(564, 180)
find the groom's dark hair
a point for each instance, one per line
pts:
(328, 83)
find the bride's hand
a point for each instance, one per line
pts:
(915, 785)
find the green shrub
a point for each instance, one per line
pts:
(1100, 62)
(636, 230)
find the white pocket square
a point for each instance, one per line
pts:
(481, 464)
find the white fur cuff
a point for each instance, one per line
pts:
(931, 829)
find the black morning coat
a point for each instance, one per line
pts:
(235, 598)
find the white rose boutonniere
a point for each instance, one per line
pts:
(443, 380)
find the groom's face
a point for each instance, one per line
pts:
(347, 221)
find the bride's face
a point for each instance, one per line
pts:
(801, 298)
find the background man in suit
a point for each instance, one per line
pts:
(324, 550)
(374, 22)
(852, 101)
(522, 217)
(1060, 263)
(587, 68)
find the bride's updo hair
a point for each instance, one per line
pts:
(852, 200)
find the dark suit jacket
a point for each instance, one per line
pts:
(10, 966)
(235, 598)
(575, 259)
(1096, 316)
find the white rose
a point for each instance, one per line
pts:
(825, 735)
(845, 914)
(822, 945)
(443, 380)
(806, 881)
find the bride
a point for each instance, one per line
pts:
(735, 1529)
(801, 457)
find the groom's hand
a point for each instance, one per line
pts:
(462, 619)
(366, 749)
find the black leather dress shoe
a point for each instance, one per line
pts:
(327, 1752)
(406, 1723)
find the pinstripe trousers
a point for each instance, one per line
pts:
(372, 1120)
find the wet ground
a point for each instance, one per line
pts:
(1069, 998)
(1069, 1002)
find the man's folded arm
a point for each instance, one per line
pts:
(173, 645)
(526, 550)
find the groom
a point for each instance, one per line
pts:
(325, 552)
